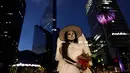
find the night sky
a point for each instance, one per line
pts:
(68, 12)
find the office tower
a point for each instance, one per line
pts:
(11, 19)
(110, 24)
(39, 41)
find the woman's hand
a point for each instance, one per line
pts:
(80, 67)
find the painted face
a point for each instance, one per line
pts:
(71, 35)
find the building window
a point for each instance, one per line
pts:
(106, 1)
(9, 22)
(5, 31)
(54, 29)
(22, 4)
(16, 43)
(6, 22)
(20, 14)
(9, 37)
(5, 35)
(9, 13)
(120, 33)
(53, 19)
(113, 21)
(1, 6)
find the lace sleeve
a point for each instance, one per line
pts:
(86, 49)
(58, 55)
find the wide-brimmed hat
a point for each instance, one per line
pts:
(70, 28)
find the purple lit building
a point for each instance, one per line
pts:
(115, 32)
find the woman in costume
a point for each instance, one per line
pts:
(72, 49)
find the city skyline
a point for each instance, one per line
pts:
(74, 9)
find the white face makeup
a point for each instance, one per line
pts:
(71, 35)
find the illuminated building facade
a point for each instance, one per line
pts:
(11, 19)
(98, 45)
(115, 32)
(97, 50)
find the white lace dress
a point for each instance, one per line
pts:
(74, 50)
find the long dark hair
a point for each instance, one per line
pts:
(67, 40)
(65, 47)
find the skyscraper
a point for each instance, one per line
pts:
(99, 47)
(39, 41)
(49, 22)
(114, 31)
(11, 19)
(42, 45)
(47, 18)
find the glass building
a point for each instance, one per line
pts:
(115, 32)
(48, 26)
(47, 18)
(48, 22)
(39, 41)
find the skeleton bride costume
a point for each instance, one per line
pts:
(74, 50)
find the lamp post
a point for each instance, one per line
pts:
(54, 14)
(54, 27)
